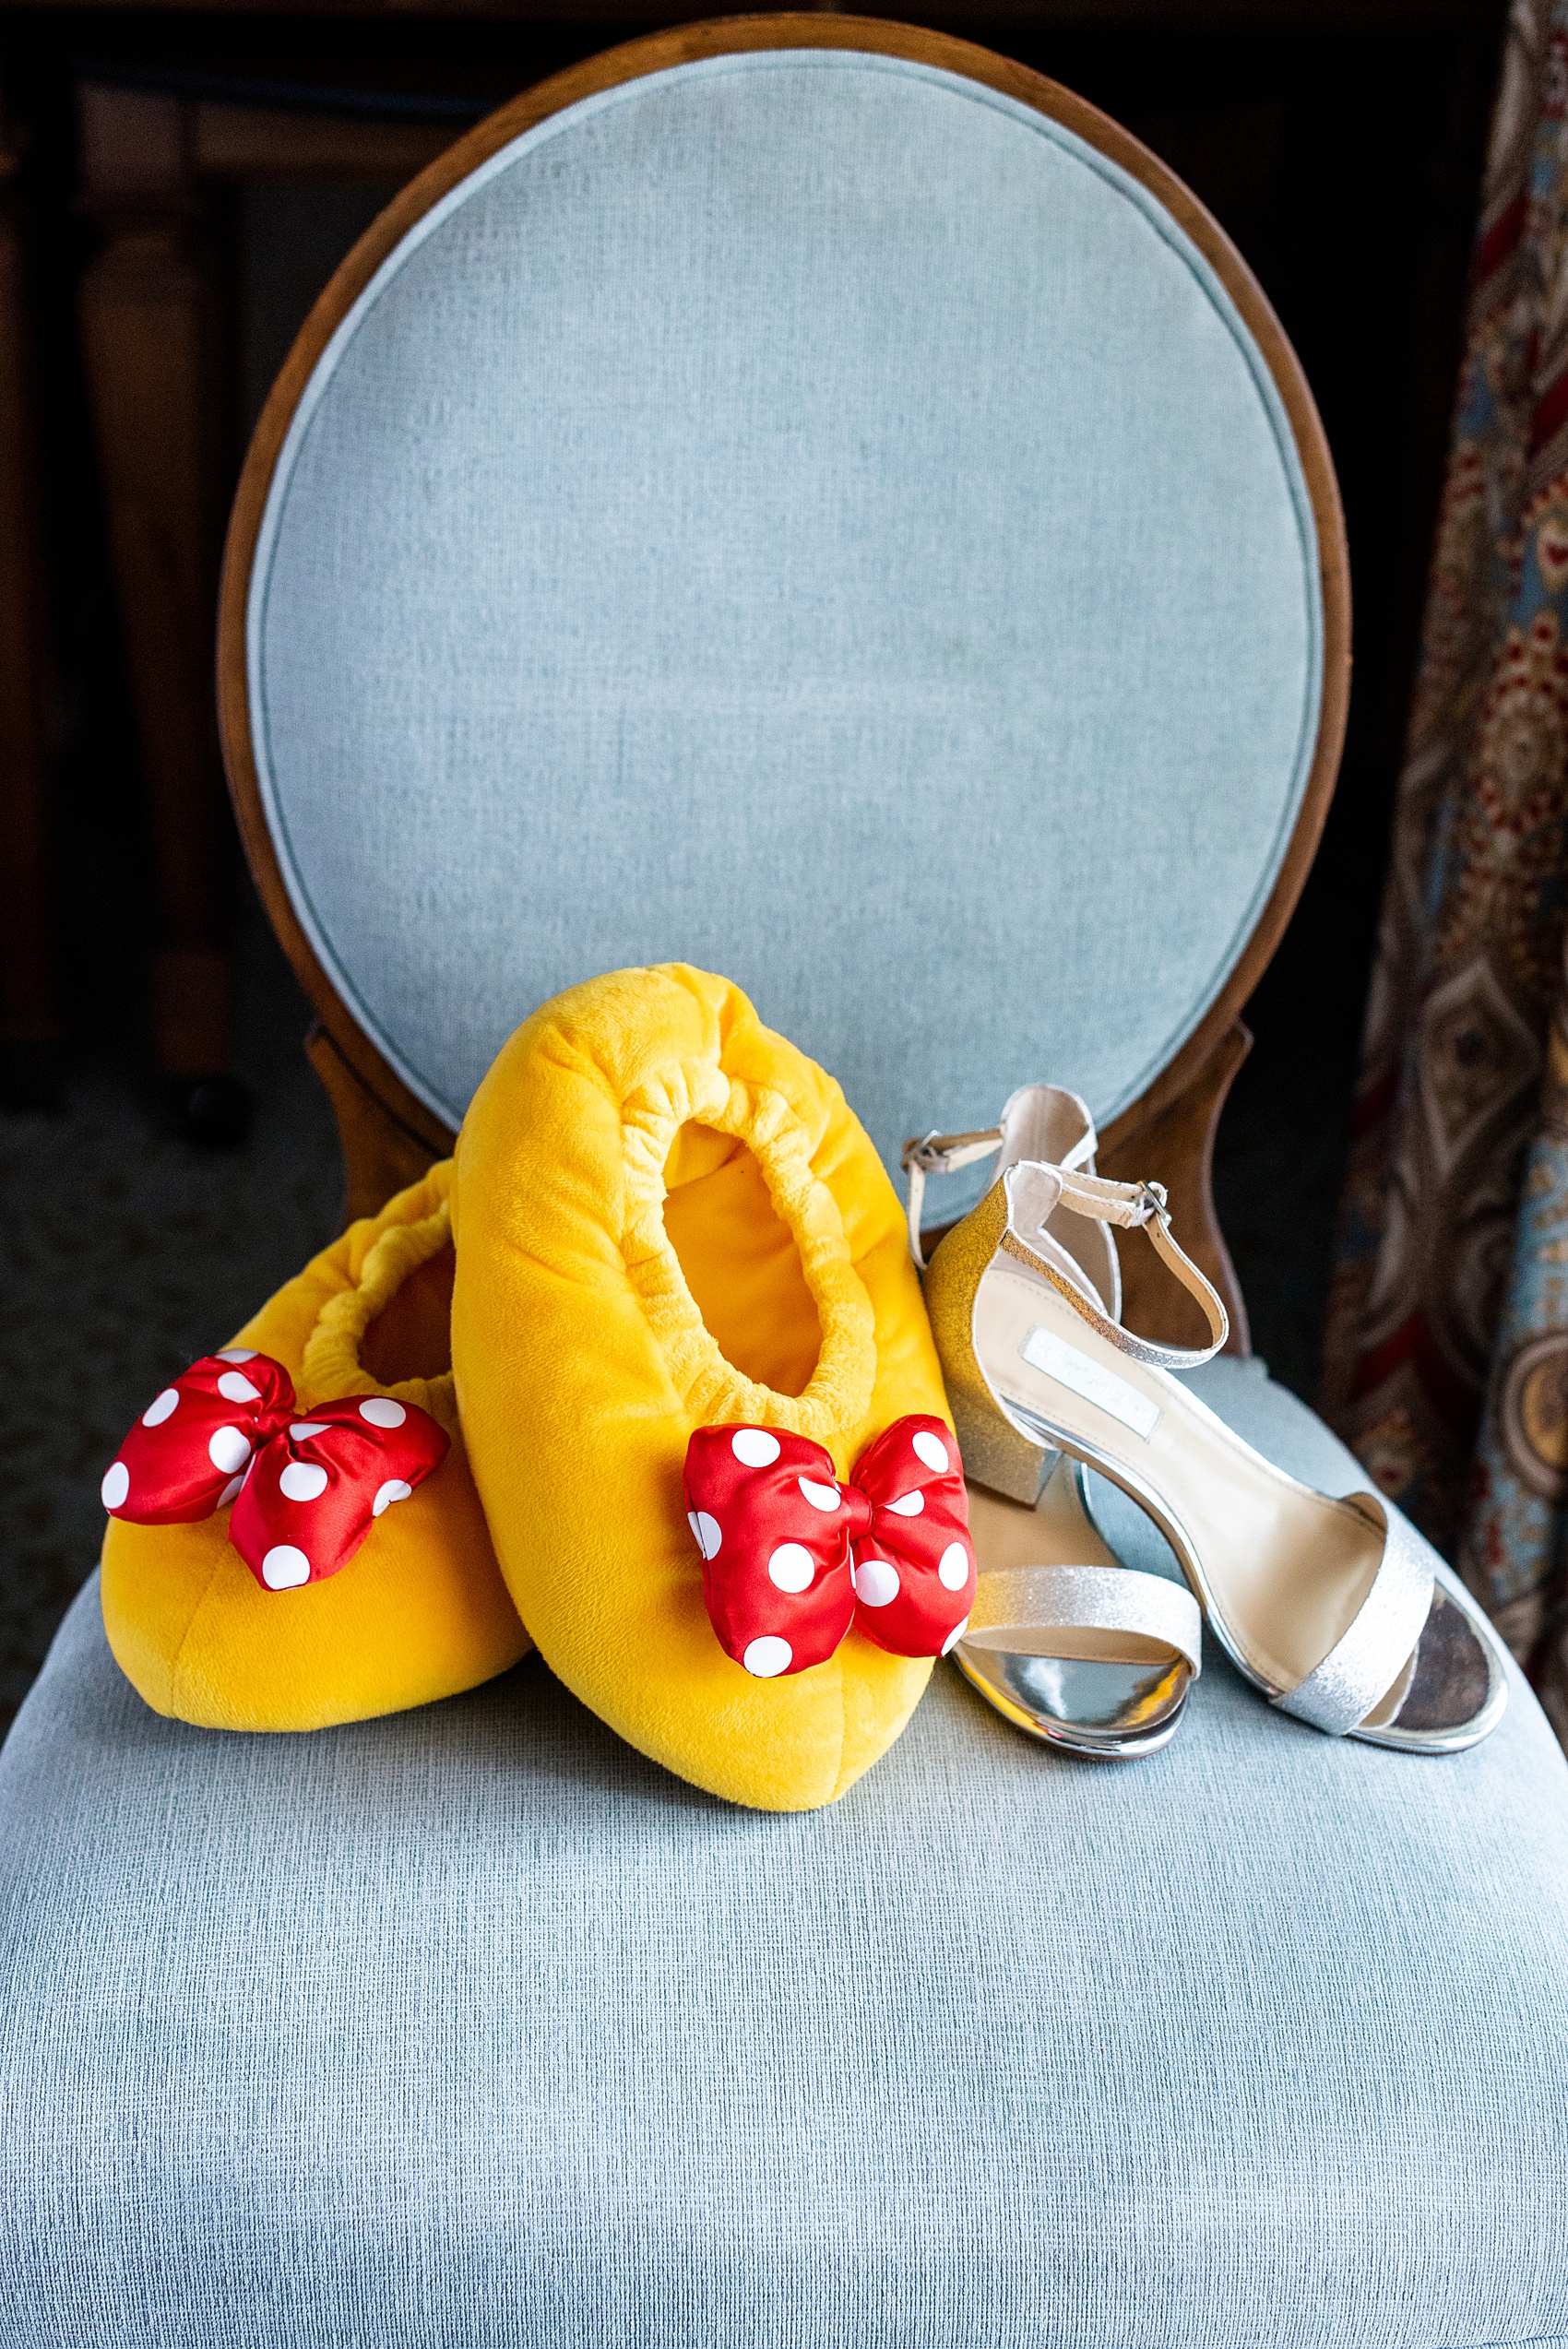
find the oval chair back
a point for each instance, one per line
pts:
(806, 497)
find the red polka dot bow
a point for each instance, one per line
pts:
(791, 1558)
(305, 1491)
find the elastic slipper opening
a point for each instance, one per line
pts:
(740, 1260)
(410, 1337)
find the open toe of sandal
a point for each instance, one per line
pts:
(1069, 1644)
(1448, 1693)
(1450, 1690)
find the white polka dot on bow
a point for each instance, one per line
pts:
(284, 1567)
(953, 1572)
(877, 1583)
(705, 1531)
(766, 1657)
(791, 1567)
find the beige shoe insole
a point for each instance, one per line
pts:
(1286, 1569)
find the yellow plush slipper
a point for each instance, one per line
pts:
(324, 1442)
(668, 1220)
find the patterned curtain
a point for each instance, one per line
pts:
(1447, 1349)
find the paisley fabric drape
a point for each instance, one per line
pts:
(1446, 1362)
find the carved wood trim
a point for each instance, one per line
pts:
(381, 1154)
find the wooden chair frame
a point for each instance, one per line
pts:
(389, 1136)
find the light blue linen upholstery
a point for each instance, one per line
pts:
(809, 515)
(471, 2030)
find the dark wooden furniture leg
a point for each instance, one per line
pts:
(31, 1023)
(152, 347)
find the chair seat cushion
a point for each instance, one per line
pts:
(471, 2026)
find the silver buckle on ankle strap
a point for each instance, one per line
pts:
(921, 1151)
(1153, 1200)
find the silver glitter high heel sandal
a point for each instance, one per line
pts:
(1333, 1609)
(1065, 1642)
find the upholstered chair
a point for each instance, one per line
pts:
(812, 499)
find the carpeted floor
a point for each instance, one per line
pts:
(127, 1254)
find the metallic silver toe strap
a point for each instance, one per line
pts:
(1338, 1694)
(1025, 1599)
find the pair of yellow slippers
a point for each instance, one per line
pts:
(645, 1368)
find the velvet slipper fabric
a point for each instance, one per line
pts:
(668, 1218)
(419, 1611)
